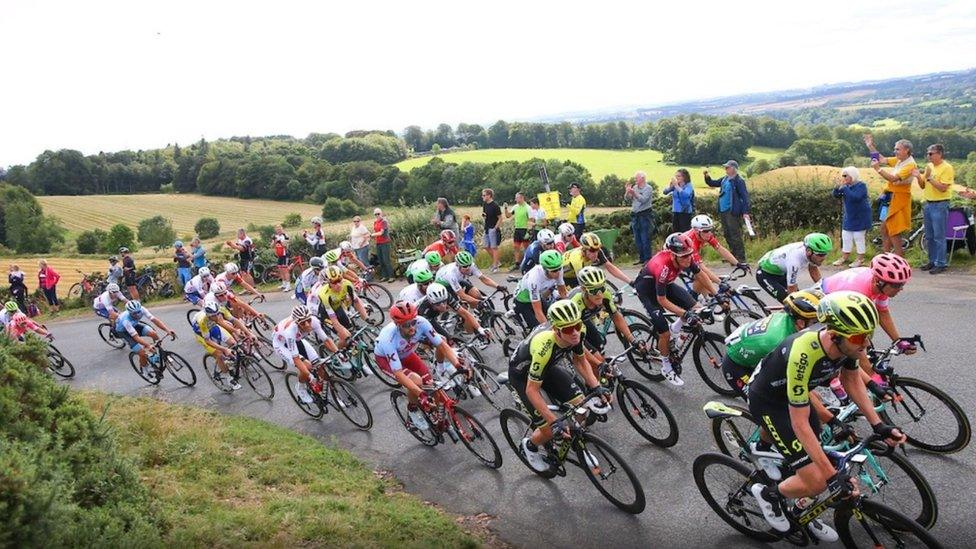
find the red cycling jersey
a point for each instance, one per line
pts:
(700, 239)
(442, 249)
(664, 270)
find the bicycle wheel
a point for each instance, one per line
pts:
(709, 348)
(899, 485)
(647, 364)
(165, 290)
(265, 351)
(732, 433)
(190, 314)
(724, 483)
(647, 413)
(75, 291)
(877, 525)
(210, 370)
(931, 419)
(344, 397)
(257, 272)
(427, 436)
(108, 336)
(504, 333)
(341, 370)
(179, 368)
(515, 427)
(379, 294)
(486, 379)
(370, 360)
(58, 364)
(257, 377)
(603, 465)
(373, 311)
(476, 438)
(737, 317)
(270, 275)
(152, 376)
(633, 316)
(314, 408)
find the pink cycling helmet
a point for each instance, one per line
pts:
(891, 268)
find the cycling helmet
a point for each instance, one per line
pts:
(447, 236)
(113, 259)
(590, 241)
(123, 250)
(803, 304)
(551, 260)
(333, 274)
(679, 244)
(134, 307)
(423, 276)
(11, 307)
(316, 263)
(891, 268)
(433, 259)
(848, 313)
(464, 259)
(437, 293)
(332, 256)
(113, 288)
(819, 243)
(316, 220)
(545, 236)
(567, 230)
(345, 246)
(591, 277)
(300, 313)
(204, 272)
(702, 222)
(231, 268)
(218, 288)
(211, 307)
(403, 311)
(563, 313)
(178, 244)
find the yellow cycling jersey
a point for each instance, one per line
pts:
(337, 299)
(202, 324)
(576, 259)
(535, 354)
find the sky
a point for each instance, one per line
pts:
(106, 76)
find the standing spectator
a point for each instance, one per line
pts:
(129, 273)
(576, 211)
(182, 259)
(18, 289)
(359, 238)
(279, 241)
(733, 206)
(936, 185)
(899, 217)
(114, 274)
(48, 282)
(493, 218)
(857, 215)
(537, 218)
(245, 251)
(520, 224)
(198, 253)
(444, 217)
(682, 200)
(316, 238)
(381, 235)
(467, 229)
(641, 214)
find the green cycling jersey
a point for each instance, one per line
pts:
(749, 343)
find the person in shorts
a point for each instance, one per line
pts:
(493, 218)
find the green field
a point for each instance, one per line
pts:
(598, 161)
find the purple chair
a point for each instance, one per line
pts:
(960, 231)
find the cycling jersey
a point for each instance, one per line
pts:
(699, 239)
(410, 293)
(531, 257)
(536, 284)
(576, 259)
(305, 281)
(563, 245)
(197, 286)
(786, 260)
(125, 324)
(443, 249)
(606, 303)
(5, 317)
(228, 280)
(749, 343)
(29, 326)
(537, 352)
(286, 336)
(861, 280)
(104, 302)
(202, 324)
(336, 300)
(795, 366)
(451, 276)
(392, 346)
(416, 266)
(663, 270)
(312, 300)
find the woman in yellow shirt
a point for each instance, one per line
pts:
(899, 178)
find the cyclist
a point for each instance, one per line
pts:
(431, 261)
(308, 279)
(437, 301)
(335, 295)
(544, 240)
(227, 298)
(594, 300)
(446, 247)
(395, 353)
(416, 291)
(19, 324)
(534, 290)
(213, 327)
(345, 257)
(779, 399)
(658, 294)
(232, 274)
(454, 276)
(10, 308)
(703, 232)
(140, 336)
(779, 268)
(534, 368)
(589, 252)
(198, 287)
(566, 239)
(288, 341)
(104, 303)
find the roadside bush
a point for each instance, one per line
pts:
(336, 208)
(119, 235)
(265, 231)
(292, 220)
(156, 231)
(91, 242)
(759, 166)
(207, 227)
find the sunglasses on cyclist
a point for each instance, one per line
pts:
(818, 254)
(570, 330)
(895, 285)
(594, 291)
(857, 339)
(409, 324)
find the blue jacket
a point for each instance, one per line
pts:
(857, 207)
(682, 200)
(740, 195)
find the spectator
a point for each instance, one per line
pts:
(198, 253)
(936, 185)
(316, 238)
(18, 289)
(444, 217)
(279, 241)
(182, 259)
(114, 274)
(899, 216)
(381, 235)
(857, 215)
(641, 214)
(682, 200)
(245, 250)
(359, 238)
(493, 218)
(537, 219)
(129, 273)
(733, 206)
(467, 229)
(48, 283)
(520, 224)
(576, 211)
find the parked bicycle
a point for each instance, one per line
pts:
(90, 286)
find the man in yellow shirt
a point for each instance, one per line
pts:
(936, 185)
(576, 209)
(899, 178)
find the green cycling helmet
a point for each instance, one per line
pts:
(563, 313)
(464, 259)
(591, 277)
(848, 313)
(818, 242)
(433, 259)
(423, 276)
(11, 307)
(332, 256)
(551, 260)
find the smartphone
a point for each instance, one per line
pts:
(875, 156)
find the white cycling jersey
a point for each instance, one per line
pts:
(786, 260)
(198, 285)
(306, 280)
(287, 335)
(451, 275)
(104, 301)
(411, 293)
(535, 285)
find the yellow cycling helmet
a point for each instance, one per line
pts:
(333, 273)
(591, 278)
(848, 313)
(590, 241)
(803, 304)
(563, 313)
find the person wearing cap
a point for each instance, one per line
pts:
(198, 253)
(733, 206)
(182, 259)
(576, 210)
(936, 183)
(114, 273)
(381, 235)
(641, 214)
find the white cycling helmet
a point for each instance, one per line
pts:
(545, 236)
(211, 307)
(316, 220)
(218, 288)
(231, 268)
(113, 288)
(345, 246)
(566, 229)
(204, 272)
(702, 222)
(437, 293)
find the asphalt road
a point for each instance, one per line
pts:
(569, 512)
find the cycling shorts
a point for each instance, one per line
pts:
(558, 384)
(412, 363)
(218, 334)
(775, 418)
